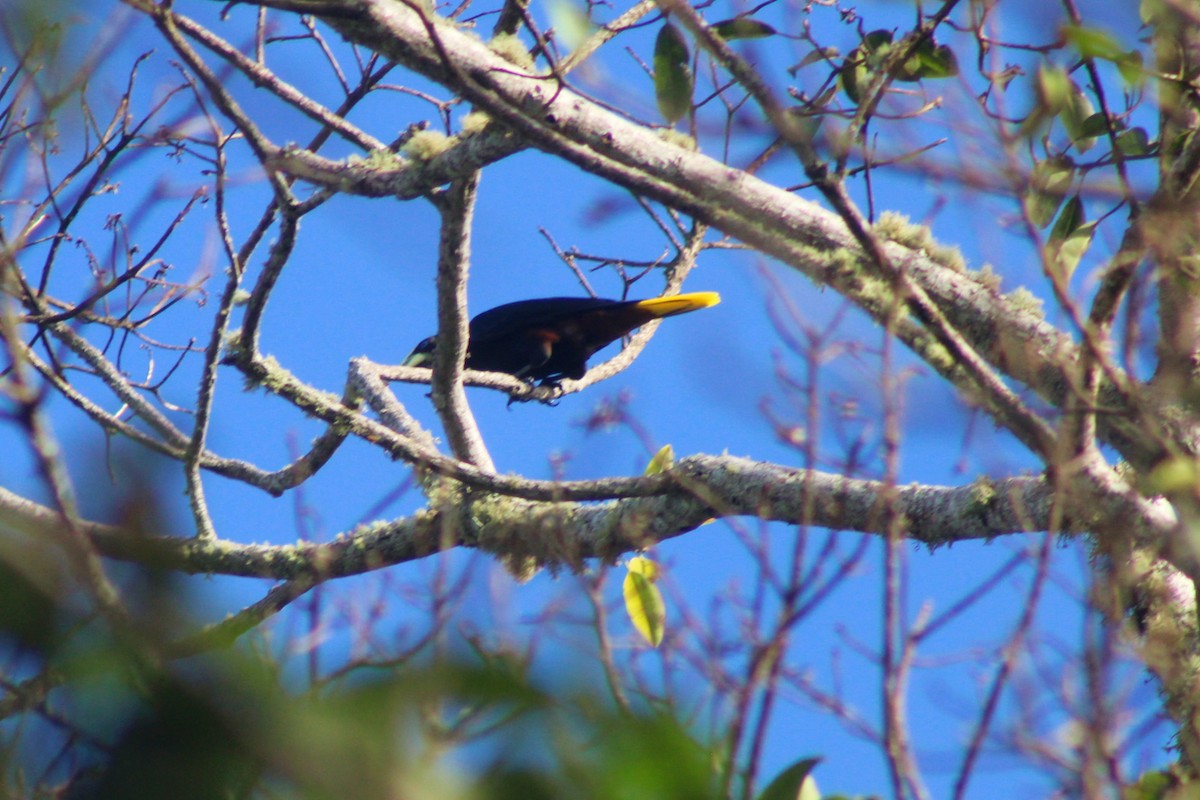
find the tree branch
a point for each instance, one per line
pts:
(695, 491)
(457, 207)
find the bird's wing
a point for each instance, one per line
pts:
(523, 315)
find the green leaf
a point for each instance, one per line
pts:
(1097, 125)
(857, 70)
(1175, 475)
(742, 28)
(825, 98)
(571, 25)
(1134, 142)
(1048, 185)
(1151, 10)
(1069, 220)
(32, 617)
(662, 461)
(818, 55)
(1054, 89)
(1132, 68)
(646, 567)
(941, 63)
(643, 600)
(1069, 239)
(1180, 142)
(929, 60)
(670, 45)
(1150, 786)
(852, 76)
(809, 123)
(1077, 110)
(794, 783)
(1093, 42)
(877, 44)
(673, 82)
(1096, 43)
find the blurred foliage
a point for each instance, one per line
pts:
(742, 28)
(125, 720)
(42, 40)
(927, 59)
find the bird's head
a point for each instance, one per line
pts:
(422, 354)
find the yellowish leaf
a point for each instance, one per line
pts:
(662, 461)
(643, 600)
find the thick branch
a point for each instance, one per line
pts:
(697, 489)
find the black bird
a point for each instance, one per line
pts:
(552, 338)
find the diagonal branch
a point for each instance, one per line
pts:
(1007, 334)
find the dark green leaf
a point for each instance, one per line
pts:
(941, 63)
(854, 77)
(1180, 142)
(1097, 125)
(789, 784)
(670, 45)
(640, 757)
(1069, 239)
(876, 42)
(1153, 786)
(928, 60)
(1134, 142)
(179, 746)
(1069, 220)
(673, 83)
(31, 614)
(858, 69)
(502, 782)
(742, 28)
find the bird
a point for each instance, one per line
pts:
(551, 338)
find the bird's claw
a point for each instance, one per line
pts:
(535, 395)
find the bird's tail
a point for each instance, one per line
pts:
(678, 303)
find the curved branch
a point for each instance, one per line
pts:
(457, 207)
